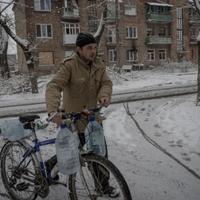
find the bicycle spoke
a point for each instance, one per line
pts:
(18, 177)
(99, 179)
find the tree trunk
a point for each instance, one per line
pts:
(27, 52)
(198, 76)
(31, 70)
(4, 68)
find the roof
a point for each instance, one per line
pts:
(159, 4)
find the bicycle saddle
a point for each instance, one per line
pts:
(28, 118)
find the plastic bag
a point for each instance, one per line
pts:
(67, 152)
(13, 130)
(94, 137)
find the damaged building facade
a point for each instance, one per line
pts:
(140, 33)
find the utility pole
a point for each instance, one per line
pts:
(198, 76)
(117, 34)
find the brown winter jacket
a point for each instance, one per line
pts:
(81, 85)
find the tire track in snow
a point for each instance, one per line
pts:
(155, 144)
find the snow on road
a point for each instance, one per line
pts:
(152, 174)
(173, 123)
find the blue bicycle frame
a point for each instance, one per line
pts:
(36, 149)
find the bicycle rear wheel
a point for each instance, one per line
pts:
(18, 179)
(87, 184)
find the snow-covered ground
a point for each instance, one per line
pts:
(16, 88)
(159, 155)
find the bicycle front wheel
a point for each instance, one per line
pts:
(95, 180)
(18, 177)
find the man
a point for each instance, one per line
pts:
(83, 80)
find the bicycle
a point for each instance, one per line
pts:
(27, 175)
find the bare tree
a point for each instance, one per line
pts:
(24, 44)
(4, 69)
(100, 29)
(197, 5)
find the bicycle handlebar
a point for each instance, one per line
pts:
(75, 115)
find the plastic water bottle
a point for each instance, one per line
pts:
(67, 151)
(94, 137)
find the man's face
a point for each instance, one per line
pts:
(88, 52)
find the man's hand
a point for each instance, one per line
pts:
(104, 101)
(56, 118)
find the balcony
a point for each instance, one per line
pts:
(155, 39)
(158, 17)
(193, 39)
(70, 14)
(69, 39)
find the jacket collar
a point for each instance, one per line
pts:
(93, 67)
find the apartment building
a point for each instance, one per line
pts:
(140, 33)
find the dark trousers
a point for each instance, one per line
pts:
(99, 171)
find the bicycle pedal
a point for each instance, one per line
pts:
(12, 181)
(22, 186)
(43, 192)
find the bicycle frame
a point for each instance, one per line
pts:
(36, 150)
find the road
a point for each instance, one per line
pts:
(150, 173)
(38, 105)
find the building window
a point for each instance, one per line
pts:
(149, 31)
(162, 54)
(92, 15)
(70, 8)
(131, 32)
(110, 7)
(71, 28)
(44, 31)
(179, 26)
(162, 31)
(112, 55)
(130, 10)
(42, 5)
(46, 58)
(150, 54)
(111, 34)
(131, 55)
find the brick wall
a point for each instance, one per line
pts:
(27, 18)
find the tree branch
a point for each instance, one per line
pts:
(100, 29)
(8, 4)
(197, 5)
(24, 44)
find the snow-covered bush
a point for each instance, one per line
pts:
(15, 84)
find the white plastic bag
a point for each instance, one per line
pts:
(67, 152)
(13, 130)
(94, 137)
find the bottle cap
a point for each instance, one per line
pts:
(63, 126)
(91, 117)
